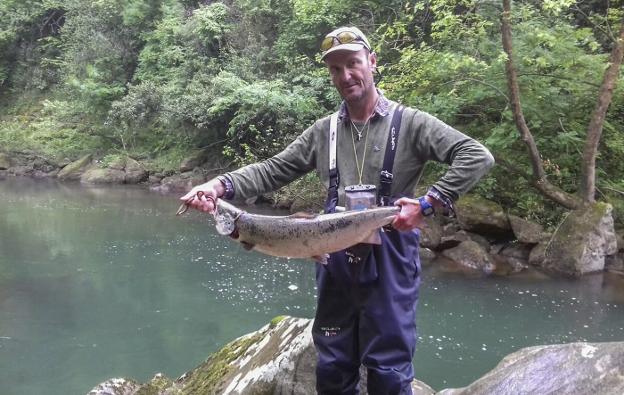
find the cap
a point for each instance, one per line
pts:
(360, 41)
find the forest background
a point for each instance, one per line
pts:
(159, 79)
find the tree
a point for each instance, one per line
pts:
(586, 192)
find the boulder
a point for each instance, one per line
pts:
(21, 170)
(5, 161)
(482, 216)
(517, 250)
(135, 172)
(103, 176)
(538, 254)
(179, 183)
(277, 359)
(195, 159)
(573, 369)
(455, 239)
(471, 255)
(526, 231)
(431, 234)
(615, 262)
(74, 170)
(582, 241)
(118, 386)
(506, 265)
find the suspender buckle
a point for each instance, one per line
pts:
(386, 177)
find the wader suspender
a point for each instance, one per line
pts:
(334, 177)
(385, 176)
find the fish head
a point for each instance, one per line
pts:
(225, 216)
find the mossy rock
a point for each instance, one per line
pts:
(5, 161)
(74, 170)
(582, 241)
(209, 377)
(103, 176)
(482, 216)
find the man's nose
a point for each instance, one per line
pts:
(344, 75)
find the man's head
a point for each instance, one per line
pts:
(344, 39)
(351, 62)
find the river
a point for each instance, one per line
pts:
(101, 282)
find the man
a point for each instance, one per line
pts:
(366, 297)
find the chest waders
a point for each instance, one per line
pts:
(366, 311)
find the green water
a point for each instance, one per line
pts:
(105, 282)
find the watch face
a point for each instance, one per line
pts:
(425, 207)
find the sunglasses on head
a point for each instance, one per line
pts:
(345, 37)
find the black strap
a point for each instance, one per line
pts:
(386, 176)
(332, 192)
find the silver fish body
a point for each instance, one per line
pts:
(301, 237)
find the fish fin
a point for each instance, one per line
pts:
(247, 246)
(322, 259)
(303, 214)
(373, 238)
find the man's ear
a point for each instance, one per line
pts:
(372, 61)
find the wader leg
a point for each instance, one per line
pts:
(335, 334)
(388, 319)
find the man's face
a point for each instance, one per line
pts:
(352, 73)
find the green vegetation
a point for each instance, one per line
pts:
(158, 79)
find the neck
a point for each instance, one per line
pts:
(362, 110)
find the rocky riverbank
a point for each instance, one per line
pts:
(280, 359)
(483, 239)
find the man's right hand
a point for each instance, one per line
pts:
(205, 201)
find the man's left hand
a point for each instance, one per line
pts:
(410, 216)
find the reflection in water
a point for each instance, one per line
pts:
(105, 282)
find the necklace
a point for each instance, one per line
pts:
(358, 167)
(366, 124)
(359, 131)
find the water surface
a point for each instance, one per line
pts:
(101, 282)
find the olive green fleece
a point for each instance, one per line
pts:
(422, 138)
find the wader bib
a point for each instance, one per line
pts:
(366, 310)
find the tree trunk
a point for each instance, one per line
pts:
(538, 177)
(594, 129)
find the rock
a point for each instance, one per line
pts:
(179, 183)
(152, 179)
(526, 231)
(431, 234)
(117, 386)
(573, 369)
(118, 164)
(420, 388)
(538, 254)
(135, 172)
(21, 171)
(482, 216)
(277, 359)
(455, 239)
(74, 170)
(506, 265)
(517, 250)
(615, 262)
(426, 255)
(582, 241)
(103, 176)
(194, 160)
(5, 161)
(470, 254)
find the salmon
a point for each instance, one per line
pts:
(301, 236)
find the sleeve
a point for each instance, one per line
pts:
(468, 159)
(297, 159)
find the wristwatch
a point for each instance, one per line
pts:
(227, 186)
(425, 207)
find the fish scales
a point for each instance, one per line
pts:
(296, 237)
